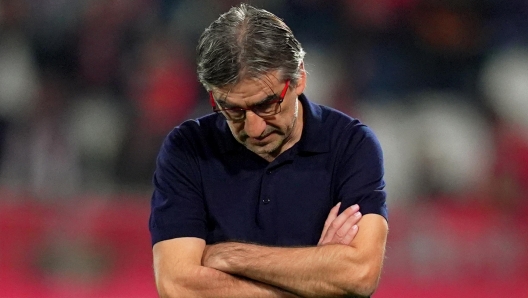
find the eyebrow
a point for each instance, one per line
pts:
(225, 104)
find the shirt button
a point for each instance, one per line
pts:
(266, 200)
(268, 172)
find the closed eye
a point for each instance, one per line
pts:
(272, 99)
(263, 104)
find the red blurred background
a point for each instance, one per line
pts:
(88, 89)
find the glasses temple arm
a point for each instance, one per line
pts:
(212, 101)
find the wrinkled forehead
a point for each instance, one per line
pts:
(249, 90)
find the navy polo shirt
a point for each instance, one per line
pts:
(209, 186)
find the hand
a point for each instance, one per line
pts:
(342, 228)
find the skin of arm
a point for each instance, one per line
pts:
(178, 273)
(330, 270)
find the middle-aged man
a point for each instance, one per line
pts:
(262, 198)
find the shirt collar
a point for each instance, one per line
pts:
(314, 138)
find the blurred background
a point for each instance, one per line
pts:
(88, 90)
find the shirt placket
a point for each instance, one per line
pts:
(269, 195)
(267, 203)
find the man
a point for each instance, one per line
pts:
(262, 198)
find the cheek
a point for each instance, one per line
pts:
(288, 118)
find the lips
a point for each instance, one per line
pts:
(264, 137)
(260, 140)
(245, 138)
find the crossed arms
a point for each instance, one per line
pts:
(346, 262)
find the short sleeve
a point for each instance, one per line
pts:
(360, 172)
(177, 205)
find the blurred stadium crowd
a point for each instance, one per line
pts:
(88, 90)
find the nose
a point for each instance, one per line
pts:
(254, 125)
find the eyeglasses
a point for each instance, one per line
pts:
(270, 107)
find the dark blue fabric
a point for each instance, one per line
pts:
(207, 185)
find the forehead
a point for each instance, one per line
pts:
(248, 91)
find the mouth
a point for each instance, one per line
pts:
(261, 140)
(264, 137)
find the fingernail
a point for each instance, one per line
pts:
(357, 214)
(354, 227)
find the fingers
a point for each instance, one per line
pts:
(348, 234)
(342, 229)
(331, 216)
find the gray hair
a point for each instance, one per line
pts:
(247, 42)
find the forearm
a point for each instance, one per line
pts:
(330, 270)
(207, 282)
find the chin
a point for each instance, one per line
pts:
(269, 148)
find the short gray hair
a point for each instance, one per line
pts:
(247, 42)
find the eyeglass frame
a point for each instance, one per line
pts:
(278, 100)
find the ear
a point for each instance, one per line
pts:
(301, 82)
